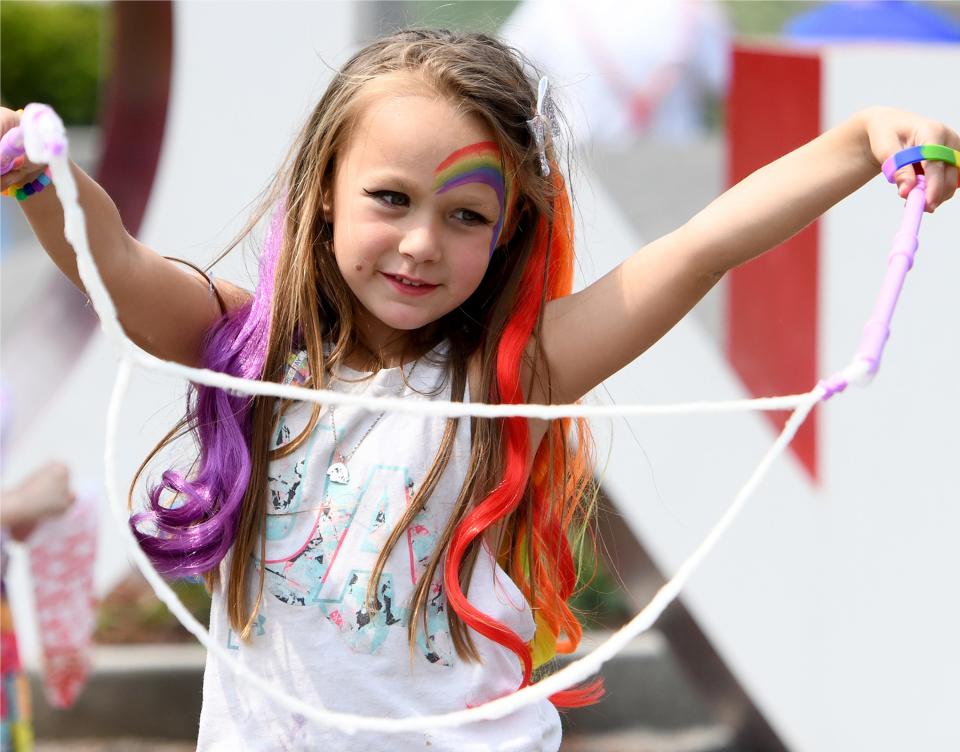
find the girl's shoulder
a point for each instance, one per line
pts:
(229, 295)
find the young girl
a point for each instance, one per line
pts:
(420, 245)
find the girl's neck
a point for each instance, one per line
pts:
(395, 352)
(379, 346)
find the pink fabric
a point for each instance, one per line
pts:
(62, 554)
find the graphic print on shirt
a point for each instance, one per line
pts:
(364, 630)
(304, 567)
(436, 643)
(233, 642)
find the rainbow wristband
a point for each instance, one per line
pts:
(25, 191)
(915, 154)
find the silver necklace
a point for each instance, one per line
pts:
(339, 472)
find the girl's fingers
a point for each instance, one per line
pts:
(14, 177)
(942, 180)
(26, 172)
(906, 178)
(11, 178)
(951, 181)
(911, 131)
(935, 187)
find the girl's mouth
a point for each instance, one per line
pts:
(409, 286)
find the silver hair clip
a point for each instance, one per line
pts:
(543, 122)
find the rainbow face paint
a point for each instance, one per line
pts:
(477, 163)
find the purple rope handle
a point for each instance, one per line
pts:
(899, 262)
(11, 147)
(52, 144)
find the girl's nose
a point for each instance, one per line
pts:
(420, 243)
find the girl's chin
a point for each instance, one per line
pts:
(402, 321)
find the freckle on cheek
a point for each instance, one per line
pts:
(359, 267)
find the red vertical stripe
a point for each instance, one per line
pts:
(134, 113)
(774, 107)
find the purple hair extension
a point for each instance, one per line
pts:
(193, 537)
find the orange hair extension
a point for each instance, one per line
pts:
(558, 478)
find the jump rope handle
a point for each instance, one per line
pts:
(11, 147)
(899, 262)
(47, 138)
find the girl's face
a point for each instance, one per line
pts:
(417, 206)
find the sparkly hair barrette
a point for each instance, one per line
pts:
(543, 122)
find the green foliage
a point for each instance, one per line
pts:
(52, 53)
(132, 613)
(598, 599)
(764, 17)
(462, 15)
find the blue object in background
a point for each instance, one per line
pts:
(873, 20)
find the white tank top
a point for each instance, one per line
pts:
(313, 636)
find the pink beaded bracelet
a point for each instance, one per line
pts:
(25, 191)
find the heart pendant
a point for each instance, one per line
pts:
(338, 473)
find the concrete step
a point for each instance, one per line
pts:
(154, 692)
(125, 744)
(701, 739)
(644, 688)
(708, 739)
(137, 692)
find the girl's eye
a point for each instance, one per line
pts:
(470, 217)
(390, 198)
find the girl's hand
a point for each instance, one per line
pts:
(24, 171)
(889, 130)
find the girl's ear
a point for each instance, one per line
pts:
(327, 205)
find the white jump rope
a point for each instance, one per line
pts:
(44, 141)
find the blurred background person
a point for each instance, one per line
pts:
(45, 493)
(639, 69)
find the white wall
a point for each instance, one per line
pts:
(835, 606)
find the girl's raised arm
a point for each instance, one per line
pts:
(164, 307)
(592, 334)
